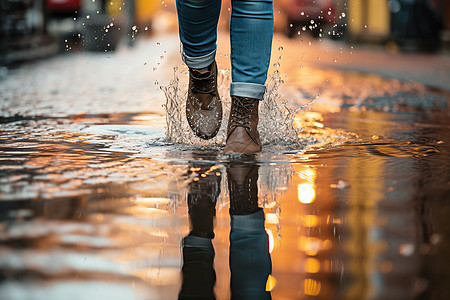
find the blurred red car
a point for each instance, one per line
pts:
(63, 6)
(308, 14)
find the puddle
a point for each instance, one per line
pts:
(354, 195)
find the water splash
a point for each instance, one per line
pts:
(177, 127)
(276, 124)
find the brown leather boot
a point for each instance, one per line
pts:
(242, 134)
(203, 105)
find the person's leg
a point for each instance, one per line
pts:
(197, 21)
(251, 33)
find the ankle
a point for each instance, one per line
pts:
(204, 70)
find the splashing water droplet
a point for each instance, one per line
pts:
(280, 48)
(276, 119)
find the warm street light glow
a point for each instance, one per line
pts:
(147, 212)
(271, 241)
(310, 220)
(312, 265)
(308, 174)
(310, 245)
(151, 201)
(271, 218)
(312, 287)
(270, 284)
(306, 193)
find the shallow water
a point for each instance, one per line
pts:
(101, 209)
(95, 206)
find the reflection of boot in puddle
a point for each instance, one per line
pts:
(202, 196)
(199, 276)
(250, 261)
(243, 188)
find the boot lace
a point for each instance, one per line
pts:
(240, 113)
(203, 84)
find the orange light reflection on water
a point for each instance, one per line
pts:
(270, 284)
(306, 193)
(311, 287)
(271, 241)
(312, 265)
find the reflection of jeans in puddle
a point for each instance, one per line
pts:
(250, 262)
(199, 276)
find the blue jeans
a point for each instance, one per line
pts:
(251, 31)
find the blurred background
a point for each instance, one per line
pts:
(31, 29)
(95, 171)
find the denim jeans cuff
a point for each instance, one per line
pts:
(198, 242)
(252, 222)
(246, 89)
(199, 62)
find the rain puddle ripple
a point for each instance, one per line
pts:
(95, 206)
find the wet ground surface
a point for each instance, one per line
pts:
(95, 200)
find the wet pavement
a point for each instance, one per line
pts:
(100, 187)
